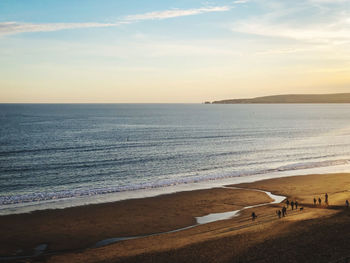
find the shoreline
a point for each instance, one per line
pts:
(79, 228)
(29, 207)
(83, 226)
(206, 219)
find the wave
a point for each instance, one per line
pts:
(308, 165)
(88, 148)
(47, 196)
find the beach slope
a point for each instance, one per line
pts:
(317, 233)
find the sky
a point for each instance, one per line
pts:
(160, 51)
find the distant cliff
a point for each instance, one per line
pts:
(292, 98)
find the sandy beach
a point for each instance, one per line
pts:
(175, 131)
(316, 234)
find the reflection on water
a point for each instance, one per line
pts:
(70, 153)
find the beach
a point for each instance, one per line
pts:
(71, 234)
(175, 131)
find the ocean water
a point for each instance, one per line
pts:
(55, 152)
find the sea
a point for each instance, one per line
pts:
(63, 155)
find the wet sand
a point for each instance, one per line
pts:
(82, 227)
(320, 232)
(305, 188)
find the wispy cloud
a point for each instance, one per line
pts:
(328, 1)
(328, 26)
(7, 28)
(175, 13)
(17, 27)
(331, 33)
(241, 1)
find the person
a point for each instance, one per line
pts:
(284, 211)
(319, 201)
(287, 202)
(347, 203)
(292, 205)
(326, 198)
(296, 205)
(314, 201)
(254, 216)
(279, 213)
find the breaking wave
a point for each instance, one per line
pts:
(47, 196)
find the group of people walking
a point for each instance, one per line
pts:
(320, 200)
(326, 201)
(283, 211)
(295, 204)
(292, 204)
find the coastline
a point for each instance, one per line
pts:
(20, 208)
(83, 226)
(79, 228)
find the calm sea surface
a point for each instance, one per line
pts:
(54, 152)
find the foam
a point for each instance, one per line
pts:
(67, 198)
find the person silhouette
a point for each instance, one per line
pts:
(279, 213)
(254, 216)
(284, 211)
(326, 198)
(319, 201)
(347, 203)
(287, 202)
(292, 205)
(315, 201)
(296, 204)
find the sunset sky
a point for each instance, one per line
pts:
(171, 51)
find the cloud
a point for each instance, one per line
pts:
(328, 1)
(240, 1)
(328, 25)
(326, 33)
(7, 28)
(175, 13)
(16, 27)
(336, 32)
